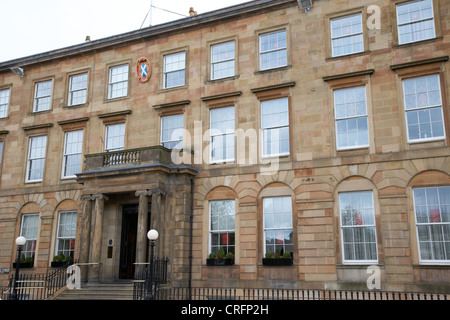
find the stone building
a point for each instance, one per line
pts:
(259, 129)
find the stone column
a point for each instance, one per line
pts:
(141, 241)
(85, 236)
(95, 252)
(156, 218)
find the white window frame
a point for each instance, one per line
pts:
(443, 202)
(279, 220)
(72, 148)
(223, 226)
(420, 109)
(277, 127)
(175, 141)
(42, 97)
(179, 65)
(270, 51)
(415, 22)
(359, 220)
(358, 34)
(4, 102)
(1, 154)
(117, 83)
(223, 57)
(29, 249)
(78, 88)
(110, 145)
(347, 115)
(33, 158)
(222, 130)
(72, 225)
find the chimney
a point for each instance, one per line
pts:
(88, 38)
(192, 12)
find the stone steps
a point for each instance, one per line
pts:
(109, 291)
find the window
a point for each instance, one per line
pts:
(275, 127)
(351, 118)
(346, 35)
(278, 233)
(65, 239)
(36, 158)
(172, 131)
(73, 146)
(78, 89)
(115, 137)
(222, 134)
(415, 21)
(358, 232)
(1, 153)
(29, 230)
(4, 102)
(118, 81)
(272, 49)
(42, 96)
(174, 70)
(432, 210)
(222, 233)
(222, 60)
(423, 107)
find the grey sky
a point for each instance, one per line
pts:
(29, 27)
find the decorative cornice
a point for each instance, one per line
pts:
(418, 63)
(276, 86)
(347, 75)
(171, 104)
(38, 126)
(222, 95)
(112, 114)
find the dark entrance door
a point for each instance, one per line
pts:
(128, 241)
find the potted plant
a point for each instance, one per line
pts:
(61, 260)
(25, 262)
(220, 259)
(278, 259)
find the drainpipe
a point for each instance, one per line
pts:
(191, 231)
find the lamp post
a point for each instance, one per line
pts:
(20, 241)
(152, 235)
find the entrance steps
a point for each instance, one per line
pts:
(100, 291)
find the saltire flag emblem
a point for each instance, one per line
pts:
(143, 70)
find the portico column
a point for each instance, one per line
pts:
(85, 236)
(95, 252)
(141, 241)
(156, 217)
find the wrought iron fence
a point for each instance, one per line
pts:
(36, 286)
(142, 278)
(289, 294)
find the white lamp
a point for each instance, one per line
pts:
(152, 234)
(20, 241)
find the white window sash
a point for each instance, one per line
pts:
(349, 35)
(263, 53)
(166, 73)
(110, 145)
(219, 231)
(215, 63)
(33, 159)
(167, 142)
(68, 154)
(73, 92)
(414, 22)
(40, 99)
(113, 86)
(4, 102)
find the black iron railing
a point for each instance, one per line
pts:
(289, 294)
(36, 286)
(142, 278)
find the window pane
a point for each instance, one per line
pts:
(222, 60)
(415, 21)
(277, 212)
(222, 234)
(36, 158)
(115, 137)
(347, 35)
(118, 81)
(4, 101)
(273, 53)
(172, 131)
(174, 69)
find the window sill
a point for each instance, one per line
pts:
(350, 55)
(283, 68)
(107, 100)
(164, 90)
(222, 79)
(419, 42)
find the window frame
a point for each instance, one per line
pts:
(361, 33)
(58, 237)
(261, 53)
(365, 115)
(441, 106)
(165, 73)
(111, 84)
(416, 225)
(31, 242)
(227, 135)
(72, 91)
(213, 63)
(65, 154)
(264, 153)
(163, 142)
(342, 227)
(5, 105)
(221, 232)
(30, 160)
(108, 137)
(284, 229)
(37, 98)
(398, 25)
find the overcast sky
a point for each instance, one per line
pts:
(29, 27)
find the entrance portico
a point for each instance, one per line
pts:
(121, 203)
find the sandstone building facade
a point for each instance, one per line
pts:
(258, 129)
